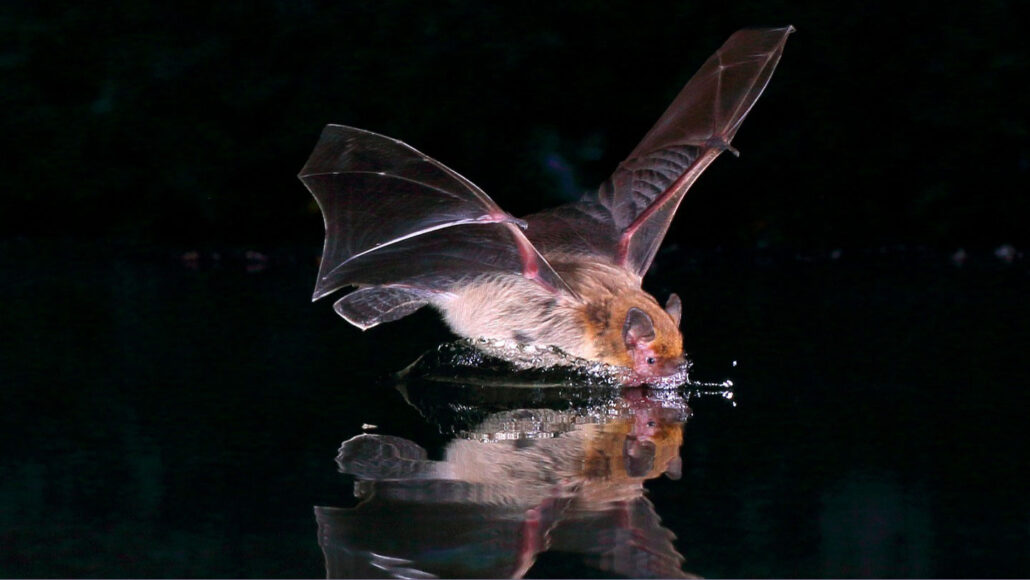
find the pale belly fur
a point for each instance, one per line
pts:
(511, 307)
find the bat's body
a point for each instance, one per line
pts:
(410, 232)
(511, 307)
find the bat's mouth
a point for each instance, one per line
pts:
(663, 374)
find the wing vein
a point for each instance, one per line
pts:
(399, 239)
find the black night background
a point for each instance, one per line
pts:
(172, 402)
(890, 122)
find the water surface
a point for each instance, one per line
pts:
(171, 416)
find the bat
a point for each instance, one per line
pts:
(407, 231)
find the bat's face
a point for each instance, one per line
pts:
(653, 342)
(648, 340)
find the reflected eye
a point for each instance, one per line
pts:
(651, 360)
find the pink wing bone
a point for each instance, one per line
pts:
(675, 192)
(400, 221)
(697, 127)
(531, 258)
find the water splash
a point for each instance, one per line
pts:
(506, 363)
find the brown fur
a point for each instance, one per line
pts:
(514, 308)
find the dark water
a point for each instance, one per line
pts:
(164, 417)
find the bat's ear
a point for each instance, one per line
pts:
(675, 468)
(675, 308)
(638, 327)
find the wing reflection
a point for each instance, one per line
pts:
(529, 470)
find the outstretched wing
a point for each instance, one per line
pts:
(403, 226)
(626, 220)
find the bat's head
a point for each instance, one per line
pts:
(649, 339)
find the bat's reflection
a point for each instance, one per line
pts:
(530, 470)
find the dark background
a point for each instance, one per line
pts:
(174, 409)
(186, 123)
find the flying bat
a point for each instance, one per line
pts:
(407, 231)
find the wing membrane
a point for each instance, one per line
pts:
(626, 220)
(396, 218)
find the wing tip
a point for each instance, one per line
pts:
(777, 36)
(322, 291)
(338, 307)
(358, 325)
(785, 30)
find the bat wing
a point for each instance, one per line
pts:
(626, 220)
(402, 227)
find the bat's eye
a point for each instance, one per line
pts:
(651, 360)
